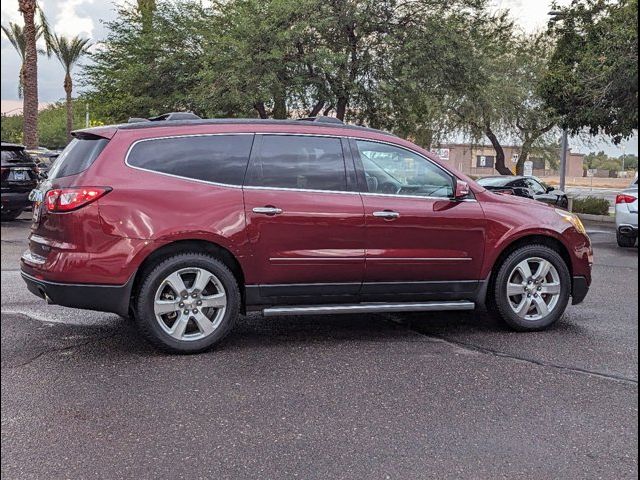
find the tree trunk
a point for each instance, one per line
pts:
(260, 108)
(280, 106)
(500, 157)
(317, 108)
(68, 89)
(524, 156)
(327, 110)
(341, 107)
(30, 87)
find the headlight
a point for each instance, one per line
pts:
(573, 220)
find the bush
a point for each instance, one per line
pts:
(591, 205)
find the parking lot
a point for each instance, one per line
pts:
(432, 395)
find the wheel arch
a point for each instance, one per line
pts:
(189, 245)
(537, 239)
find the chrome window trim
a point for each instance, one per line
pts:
(283, 189)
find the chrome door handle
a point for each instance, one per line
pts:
(267, 210)
(388, 214)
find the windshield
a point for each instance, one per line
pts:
(494, 181)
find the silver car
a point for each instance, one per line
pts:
(627, 216)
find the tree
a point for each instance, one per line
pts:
(69, 51)
(29, 72)
(592, 81)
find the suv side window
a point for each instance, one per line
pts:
(394, 170)
(211, 158)
(299, 162)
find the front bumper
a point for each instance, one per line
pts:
(579, 289)
(103, 298)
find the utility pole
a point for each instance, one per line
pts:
(86, 115)
(563, 159)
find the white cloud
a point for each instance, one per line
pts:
(10, 13)
(530, 15)
(69, 23)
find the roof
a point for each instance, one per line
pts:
(12, 146)
(139, 125)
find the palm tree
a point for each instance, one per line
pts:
(69, 51)
(30, 73)
(15, 35)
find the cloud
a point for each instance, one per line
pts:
(69, 22)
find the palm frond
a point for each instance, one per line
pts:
(69, 50)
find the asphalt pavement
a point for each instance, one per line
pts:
(433, 395)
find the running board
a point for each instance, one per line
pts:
(368, 308)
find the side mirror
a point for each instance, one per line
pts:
(550, 189)
(462, 190)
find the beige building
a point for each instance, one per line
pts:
(479, 160)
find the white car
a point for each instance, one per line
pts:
(627, 216)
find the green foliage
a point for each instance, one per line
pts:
(591, 206)
(51, 124)
(593, 78)
(602, 161)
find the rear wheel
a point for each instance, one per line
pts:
(9, 215)
(187, 303)
(625, 241)
(532, 288)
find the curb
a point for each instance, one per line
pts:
(597, 218)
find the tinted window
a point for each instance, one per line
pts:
(394, 170)
(212, 158)
(16, 155)
(77, 157)
(288, 161)
(535, 186)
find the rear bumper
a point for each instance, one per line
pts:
(579, 290)
(103, 298)
(15, 200)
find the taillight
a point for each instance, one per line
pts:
(67, 199)
(622, 198)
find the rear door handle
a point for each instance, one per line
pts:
(267, 210)
(388, 214)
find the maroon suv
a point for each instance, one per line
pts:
(183, 225)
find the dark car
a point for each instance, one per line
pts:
(19, 177)
(528, 187)
(184, 225)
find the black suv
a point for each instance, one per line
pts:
(19, 177)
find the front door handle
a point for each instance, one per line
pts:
(269, 210)
(387, 214)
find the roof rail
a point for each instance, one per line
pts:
(166, 117)
(322, 119)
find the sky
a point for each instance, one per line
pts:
(87, 17)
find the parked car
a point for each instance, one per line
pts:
(627, 216)
(19, 177)
(186, 224)
(528, 187)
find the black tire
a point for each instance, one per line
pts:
(145, 317)
(499, 301)
(625, 241)
(10, 215)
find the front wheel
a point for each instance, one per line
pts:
(187, 303)
(532, 288)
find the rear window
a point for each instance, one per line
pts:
(493, 182)
(16, 155)
(77, 157)
(211, 158)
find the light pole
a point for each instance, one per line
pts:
(564, 152)
(557, 15)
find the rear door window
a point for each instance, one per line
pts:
(210, 158)
(77, 156)
(299, 162)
